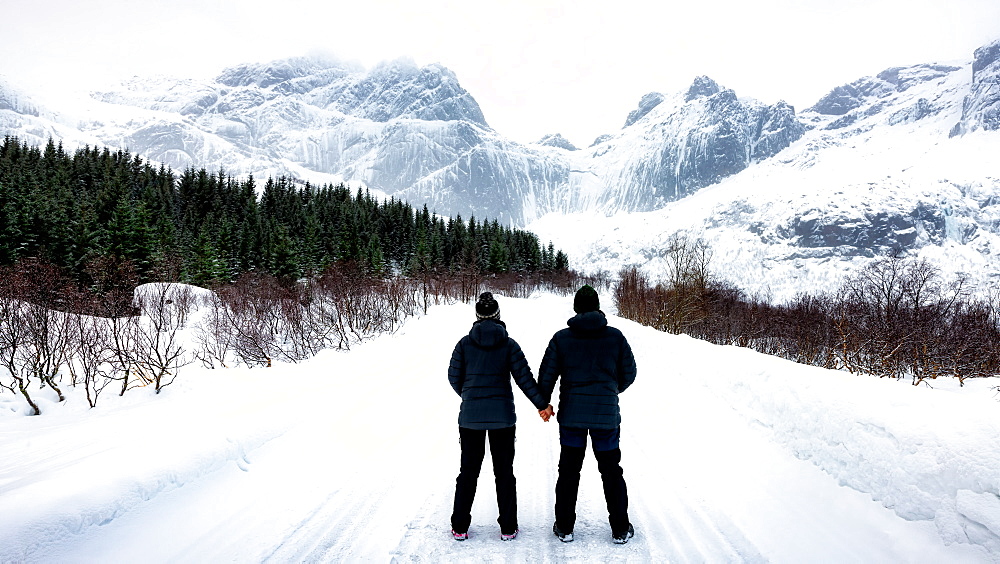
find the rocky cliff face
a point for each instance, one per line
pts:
(981, 109)
(675, 145)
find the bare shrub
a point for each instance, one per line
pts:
(90, 351)
(13, 342)
(633, 296)
(896, 318)
(367, 306)
(124, 337)
(34, 341)
(215, 341)
(159, 353)
(250, 312)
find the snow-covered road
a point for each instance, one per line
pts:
(729, 456)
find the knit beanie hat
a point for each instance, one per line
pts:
(487, 307)
(586, 300)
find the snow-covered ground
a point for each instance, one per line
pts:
(729, 455)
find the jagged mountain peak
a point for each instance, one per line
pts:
(702, 87)
(845, 98)
(646, 104)
(557, 140)
(264, 75)
(402, 89)
(673, 145)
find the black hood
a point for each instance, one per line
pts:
(489, 333)
(589, 323)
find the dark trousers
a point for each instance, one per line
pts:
(473, 452)
(568, 485)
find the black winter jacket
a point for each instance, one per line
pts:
(480, 371)
(596, 364)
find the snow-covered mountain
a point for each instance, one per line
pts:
(904, 161)
(674, 145)
(415, 133)
(900, 161)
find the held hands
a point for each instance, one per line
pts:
(546, 413)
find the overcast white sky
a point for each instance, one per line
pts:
(534, 66)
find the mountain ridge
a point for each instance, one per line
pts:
(890, 163)
(409, 131)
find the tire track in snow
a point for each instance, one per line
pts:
(678, 526)
(334, 531)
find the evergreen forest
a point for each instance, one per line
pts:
(93, 210)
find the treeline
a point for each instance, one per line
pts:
(98, 213)
(897, 317)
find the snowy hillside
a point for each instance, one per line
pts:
(881, 169)
(729, 455)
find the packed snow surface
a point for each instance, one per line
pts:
(729, 455)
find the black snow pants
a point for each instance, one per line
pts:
(473, 452)
(568, 485)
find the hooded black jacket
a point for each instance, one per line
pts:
(480, 371)
(595, 363)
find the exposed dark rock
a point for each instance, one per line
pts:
(776, 128)
(920, 110)
(648, 102)
(905, 77)
(702, 86)
(879, 232)
(601, 139)
(981, 108)
(843, 99)
(985, 60)
(843, 121)
(839, 101)
(557, 140)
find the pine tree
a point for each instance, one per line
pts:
(499, 260)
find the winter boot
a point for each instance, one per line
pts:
(622, 538)
(565, 537)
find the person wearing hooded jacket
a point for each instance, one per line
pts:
(593, 363)
(480, 372)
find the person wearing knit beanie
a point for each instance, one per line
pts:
(482, 366)
(487, 307)
(593, 363)
(586, 299)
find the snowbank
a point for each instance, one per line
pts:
(926, 454)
